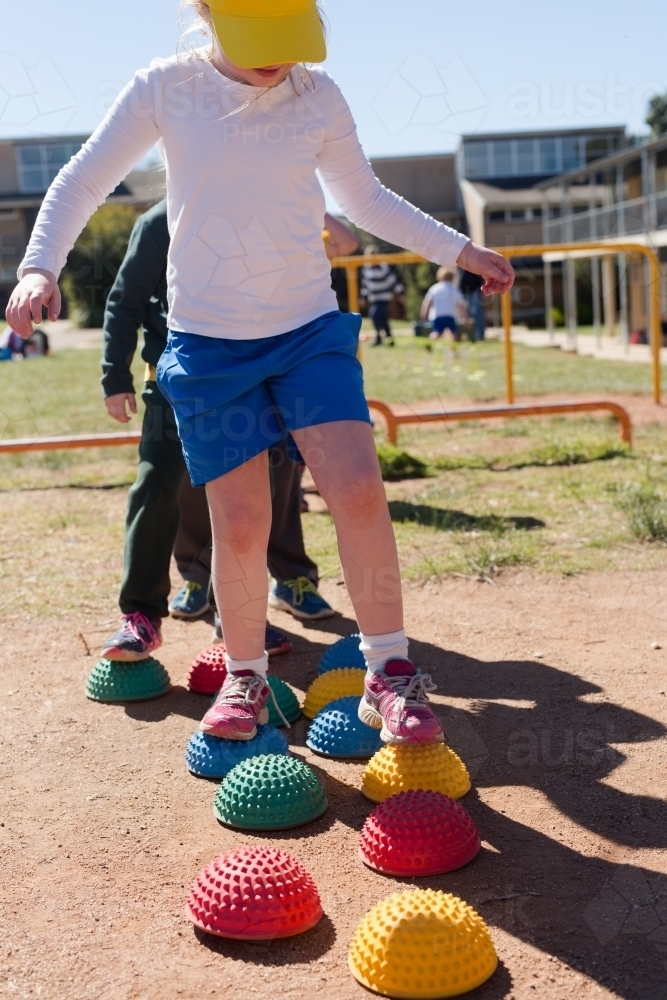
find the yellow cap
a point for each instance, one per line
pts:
(256, 33)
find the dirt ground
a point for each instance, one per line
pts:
(549, 688)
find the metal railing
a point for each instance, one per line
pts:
(394, 420)
(596, 248)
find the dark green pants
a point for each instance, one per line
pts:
(152, 510)
(162, 487)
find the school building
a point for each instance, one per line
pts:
(27, 167)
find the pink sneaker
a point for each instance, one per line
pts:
(239, 708)
(395, 699)
(137, 637)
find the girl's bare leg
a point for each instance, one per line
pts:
(342, 459)
(240, 504)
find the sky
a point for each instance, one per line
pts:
(417, 73)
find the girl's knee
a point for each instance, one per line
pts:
(362, 494)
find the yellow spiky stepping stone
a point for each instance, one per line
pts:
(433, 767)
(341, 683)
(422, 944)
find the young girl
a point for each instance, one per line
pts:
(257, 348)
(442, 303)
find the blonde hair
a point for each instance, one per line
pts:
(444, 274)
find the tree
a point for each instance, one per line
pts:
(93, 264)
(656, 117)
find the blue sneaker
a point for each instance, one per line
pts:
(276, 642)
(190, 602)
(300, 598)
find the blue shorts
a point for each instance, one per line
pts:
(442, 323)
(233, 399)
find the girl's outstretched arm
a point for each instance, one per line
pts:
(371, 206)
(127, 133)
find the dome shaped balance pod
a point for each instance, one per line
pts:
(288, 701)
(339, 732)
(117, 681)
(432, 766)
(208, 670)
(254, 894)
(422, 943)
(210, 757)
(341, 683)
(418, 833)
(270, 793)
(343, 653)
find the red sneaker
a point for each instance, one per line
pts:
(239, 708)
(395, 700)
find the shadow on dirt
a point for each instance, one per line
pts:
(457, 520)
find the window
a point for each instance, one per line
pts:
(477, 159)
(496, 216)
(526, 156)
(536, 213)
(571, 157)
(502, 159)
(39, 164)
(596, 148)
(518, 214)
(554, 213)
(548, 156)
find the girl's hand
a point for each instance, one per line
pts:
(497, 272)
(116, 406)
(36, 289)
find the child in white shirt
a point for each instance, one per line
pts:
(442, 304)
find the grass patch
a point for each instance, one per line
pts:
(397, 464)
(645, 507)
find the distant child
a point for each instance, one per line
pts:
(380, 284)
(258, 350)
(442, 303)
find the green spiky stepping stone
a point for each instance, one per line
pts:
(289, 704)
(116, 681)
(271, 792)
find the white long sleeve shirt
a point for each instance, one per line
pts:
(245, 205)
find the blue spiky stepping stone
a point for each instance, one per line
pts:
(339, 732)
(343, 653)
(115, 681)
(209, 757)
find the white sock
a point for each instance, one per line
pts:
(379, 649)
(258, 666)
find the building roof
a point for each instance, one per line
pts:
(543, 133)
(495, 197)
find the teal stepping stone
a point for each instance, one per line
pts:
(270, 793)
(288, 701)
(116, 681)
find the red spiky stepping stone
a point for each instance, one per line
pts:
(418, 833)
(254, 894)
(208, 670)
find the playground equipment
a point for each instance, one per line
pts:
(254, 894)
(339, 732)
(287, 701)
(422, 943)
(431, 767)
(418, 833)
(343, 653)
(208, 670)
(340, 683)
(114, 681)
(393, 419)
(271, 792)
(351, 266)
(209, 757)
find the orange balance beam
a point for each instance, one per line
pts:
(66, 443)
(394, 420)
